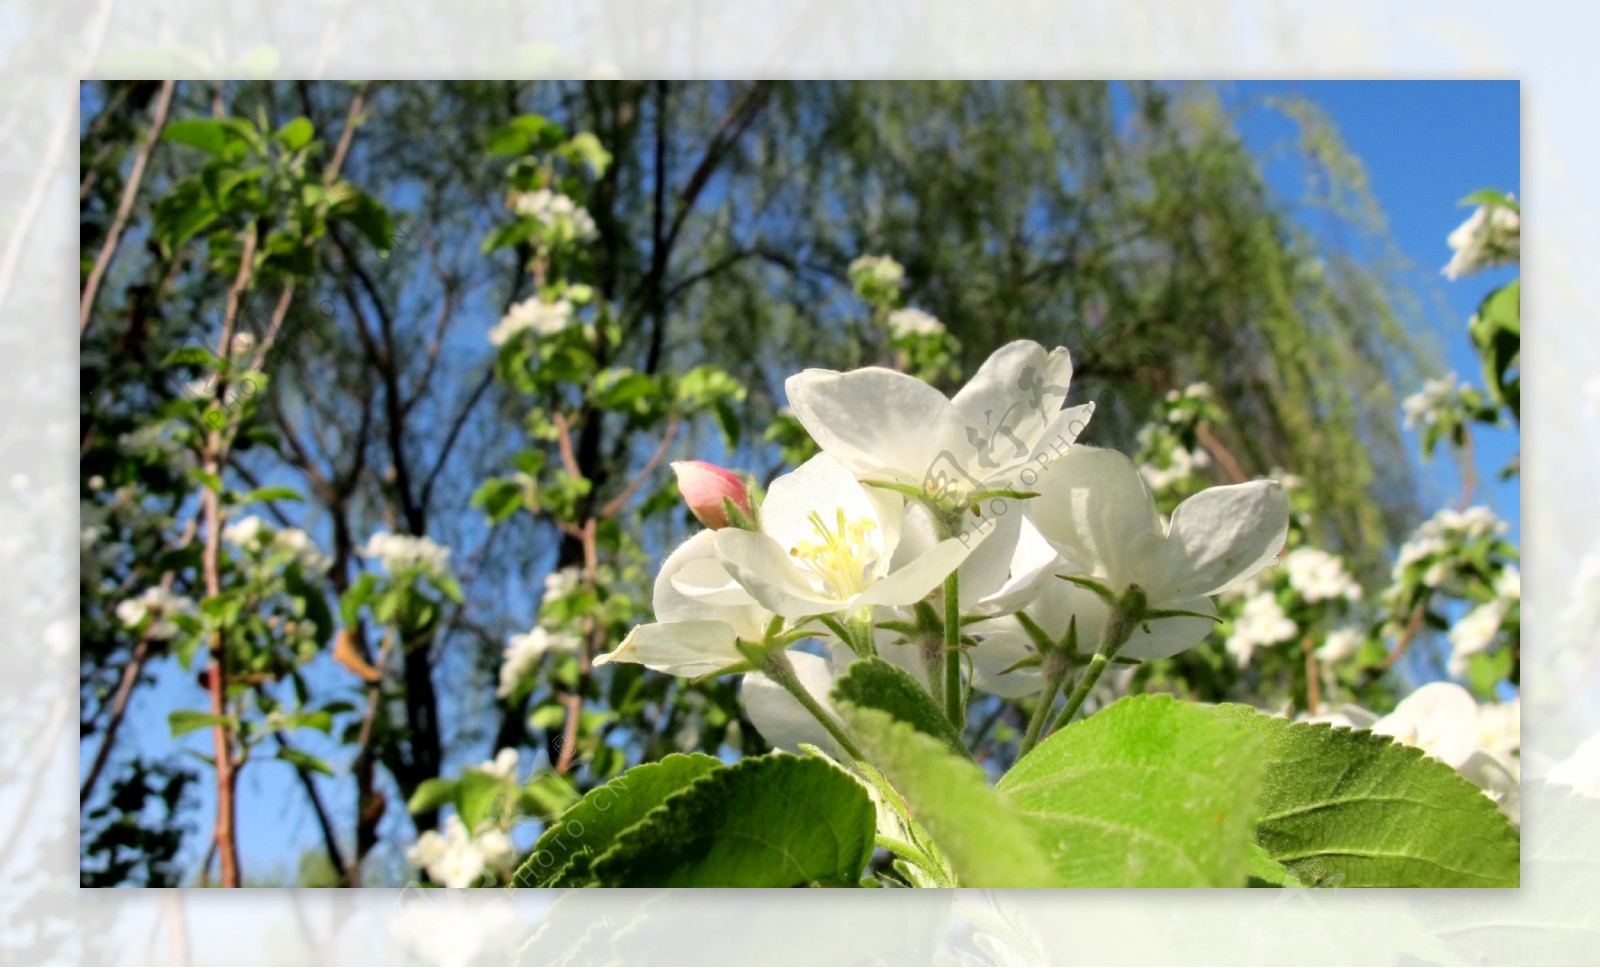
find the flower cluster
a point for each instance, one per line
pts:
(564, 219)
(403, 553)
(253, 534)
(1426, 406)
(532, 314)
(986, 494)
(159, 606)
(1491, 236)
(1318, 576)
(1170, 457)
(523, 652)
(458, 858)
(877, 279)
(1442, 548)
(913, 323)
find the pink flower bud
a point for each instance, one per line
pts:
(704, 486)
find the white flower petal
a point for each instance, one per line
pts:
(767, 573)
(678, 648)
(1011, 398)
(1440, 718)
(877, 422)
(1093, 506)
(821, 486)
(1219, 536)
(1169, 636)
(909, 585)
(995, 655)
(694, 585)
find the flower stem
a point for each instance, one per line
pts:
(781, 671)
(954, 707)
(1080, 692)
(1119, 627)
(1041, 713)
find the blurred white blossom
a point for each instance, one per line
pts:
(159, 605)
(1489, 237)
(1261, 622)
(524, 651)
(402, 552)
(1423, 408)
(569, 220)
(913, 322)
(533, 313)
(1319, 576)
(1341, 645)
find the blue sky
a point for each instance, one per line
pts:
(1425, 146)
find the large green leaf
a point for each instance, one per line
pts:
(1148, 792)
(986, 841)
(1346, 808)
(591, 825)
(767, 821)
(876, 684)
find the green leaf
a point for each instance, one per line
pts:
(188, 720)
(987, 841)
(583, 832)
(207, 135)
(431, 795)
(508, 235)
(767, 821)
(1266, 872)
(304, 761)
(499, 497)
(524, 134)
(1348, 808)
(262, 494)
(296, 134)
(371, 219)
(1148, 792)
(479, 797)
(200, 356)
(318, 719)
(876, 684)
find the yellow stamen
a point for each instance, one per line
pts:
(843, 556)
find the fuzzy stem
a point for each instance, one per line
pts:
(781, 671)
(1041, 713)
(954, 705)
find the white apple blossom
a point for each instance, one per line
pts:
(533, 313)
(555, 211)
(523, 653)
(304, 550)
(998, 432)
(1318, 576)
(1423, 407)
(825, 547)
(913, 322)
(876, 272)
(457, 859)
(562, 582)
(159, 605)
(1180, 465)
(1096, 510)
(1261, 622)
(1341, 645)
(504, 764)
(1491, 236)
(246, 531)
(402, 552)
(1475, 633)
